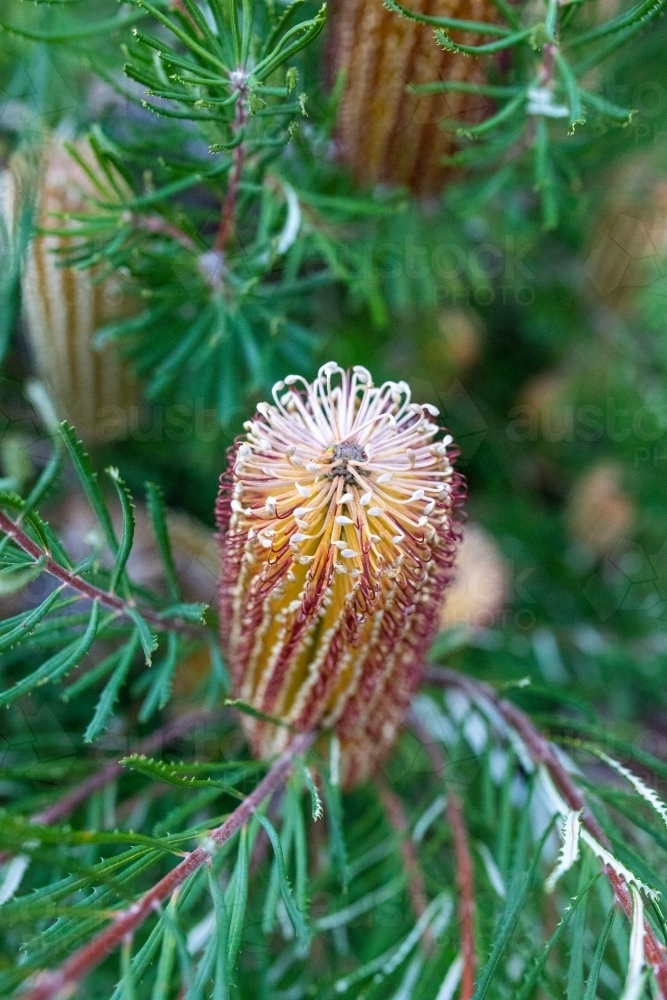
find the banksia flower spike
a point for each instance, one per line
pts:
(64, 308)
(384, 132)
(337, 521)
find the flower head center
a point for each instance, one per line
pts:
(344, 452)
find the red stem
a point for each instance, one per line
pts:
(396, 814)
(50, 985)
(156, 224)
(466, 893)
(238, 158)
(540, 749)
(464, 868)
(543, 752)
(19, 537)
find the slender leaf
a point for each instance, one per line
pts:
(334, 814)
(157, 513)
(45, 481)
(481, 27)
(172, 774)
(535, 973)
(107, 699)
(148, 640)
(75, 34)
(160, 690)
(15, 578)
(125, 547)
(89, 482)
(58, 664)
(239, 901)
(594, 974)
(508, 921)
(296, 916)
(220, 978)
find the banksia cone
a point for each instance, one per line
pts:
(64, 308)
(337, 521)
(384, 133)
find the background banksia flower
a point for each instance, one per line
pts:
(64, 308)
(385, 133)
(337, 526)
(600, 514)
(479, 588)
(628, 244)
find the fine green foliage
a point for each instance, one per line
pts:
(97, 612)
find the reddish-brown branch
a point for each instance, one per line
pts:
(464, 868)
(89, 590)
(539, 748)
(653, 950)
(396, 815)
(152, 744)
(542, 751)
(50, 985)
(238, 159)
(464, 879)
(156, 224)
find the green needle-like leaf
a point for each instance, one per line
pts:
(15, 578)
(60, 663)
(239, 901)
(157, 513)
(508, 921)
(89, 483)
(109, 695)
(594, 973)
(125, 547)
(149, 641)
(480, 27)
(296, 916)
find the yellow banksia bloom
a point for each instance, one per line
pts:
(64, 307)
(337, 520)
(385, 133)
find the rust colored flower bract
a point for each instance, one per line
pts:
(337, 525)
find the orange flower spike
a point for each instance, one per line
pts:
(337, 526)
